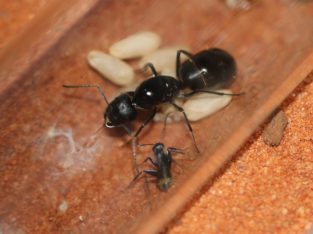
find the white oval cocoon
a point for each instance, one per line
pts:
(164, 58)
(202, 105)
(114, 69)
(136, 45)
(168, 71)
(167, 108)
(129, 88)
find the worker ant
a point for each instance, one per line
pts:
(159, 89)
(162, 165)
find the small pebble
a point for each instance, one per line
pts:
(202, 105)
(169, 71)
(164, 58)
(136, 45)
(274, 130)
(115, 70)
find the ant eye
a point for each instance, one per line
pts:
(109, 124)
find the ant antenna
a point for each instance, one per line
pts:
(134, 161)
(89, 86)
(164, 125)
(180, 109)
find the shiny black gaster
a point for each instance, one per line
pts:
(208, 69)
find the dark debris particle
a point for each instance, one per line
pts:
(274, 130)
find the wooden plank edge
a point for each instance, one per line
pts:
(48, 26)
(157, 221)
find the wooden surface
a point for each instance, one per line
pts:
(59, 174)
(23, 49)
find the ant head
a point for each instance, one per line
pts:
(119, 111)
(158, 148)
(165, 183)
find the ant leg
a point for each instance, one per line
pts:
(89, 86)
(189, 56)
(151, 172)
(137, 176)
(212, 92)
(147, 189)
(152, 68)
(153, 163)
(164, 126)
(146, 122)
(127, 130)
(134, 161)
(178, 61)
(134, 138)
(177, 151)
(188, 123)
(134, 180)
(141, 145)
(181, 169)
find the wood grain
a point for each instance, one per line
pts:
(55, 165)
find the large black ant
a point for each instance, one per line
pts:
(207, 69)
(162, 165)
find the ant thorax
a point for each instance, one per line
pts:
(154, 91)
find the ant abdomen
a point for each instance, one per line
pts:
(208, 69)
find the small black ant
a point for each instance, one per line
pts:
(162, 164)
